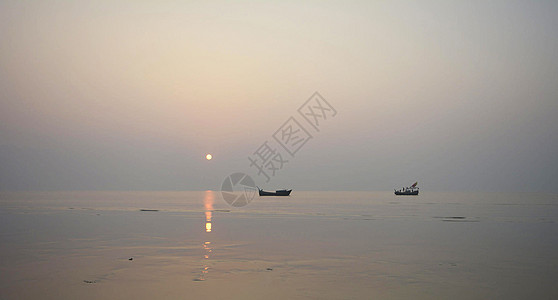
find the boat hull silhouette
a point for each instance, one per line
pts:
(407, 193)
(276, 193)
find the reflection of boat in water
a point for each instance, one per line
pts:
(413, 190)
(276, 193)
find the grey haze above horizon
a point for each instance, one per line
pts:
(131, 95)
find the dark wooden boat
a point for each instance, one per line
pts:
(406, 192)
(413, 190)
(276, 193)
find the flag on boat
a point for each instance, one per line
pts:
(414, 184)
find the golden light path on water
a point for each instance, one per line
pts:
(208, 202)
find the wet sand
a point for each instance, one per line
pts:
(312, 245)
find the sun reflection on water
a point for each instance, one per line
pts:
(208, 201)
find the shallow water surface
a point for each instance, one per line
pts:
(311, 245)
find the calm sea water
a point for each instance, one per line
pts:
(311, 245)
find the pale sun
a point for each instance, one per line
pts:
(208, 157)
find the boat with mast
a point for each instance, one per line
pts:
(413, 190)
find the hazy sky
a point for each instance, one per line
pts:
(122, 95)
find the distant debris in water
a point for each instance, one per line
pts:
(143, 209)
(131, 258)
(90, 281)
(458, 219)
